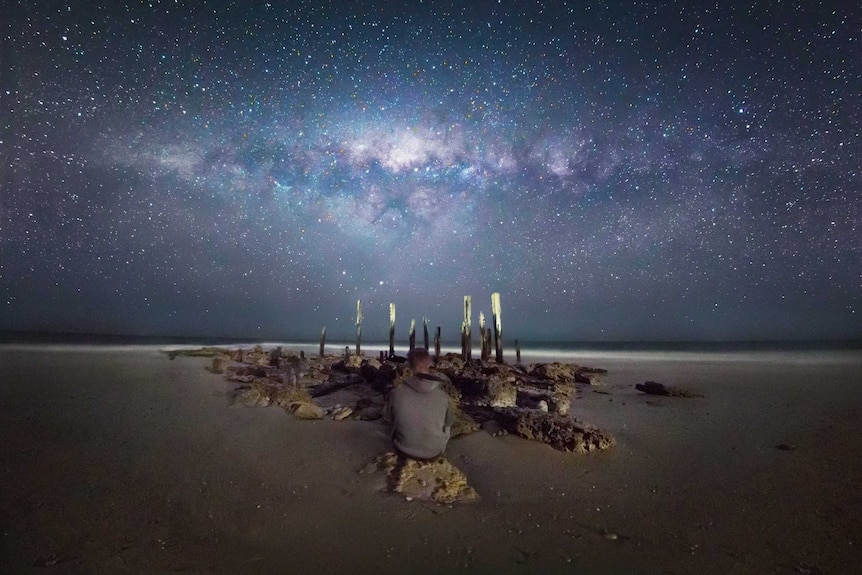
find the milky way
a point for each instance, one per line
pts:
(681, 170)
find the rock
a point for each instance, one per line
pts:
(219, 364)
(245, 370)
(340, 413)
(449, 361)
(499, 392)
(370, 413)
(556, 372)
(588, 377)
(199, 352)
(464, 424)
(368, 409)
(380, 379)
(257, 357)
(437, 480)
(560, 403)
(256, 394)
(335, 383)
(493, 391)
(655, 388)
(558, 431)
(493, 427)
(354, 362)
(307, 410)
(373, 362)
(288, 396)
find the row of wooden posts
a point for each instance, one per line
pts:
(487, 336)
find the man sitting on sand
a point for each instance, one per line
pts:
(421, 417)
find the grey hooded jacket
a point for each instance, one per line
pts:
(420, 417)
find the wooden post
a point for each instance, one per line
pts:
(425, 331)
(358, 327)
(275, 357)
(346, 352)
(483, 338)
(412, 334)
(517, 352)
(322, 340)
(391, 329)
(437, 344)
(498, 326)
(466, 336)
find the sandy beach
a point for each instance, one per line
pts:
(123, 461)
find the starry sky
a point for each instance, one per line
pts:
(617, 171)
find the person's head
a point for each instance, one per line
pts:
(419, 359)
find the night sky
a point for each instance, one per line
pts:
(645, 171)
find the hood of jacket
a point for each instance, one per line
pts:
(423, 382)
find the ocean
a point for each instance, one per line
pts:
(580, 352)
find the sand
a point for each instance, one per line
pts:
(122, 461)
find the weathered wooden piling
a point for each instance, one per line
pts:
(437, 344)
(412, 334)
(466, 337)
(517, 352)
(391, 329)
(358, 327)
(498, 326)
(322, 340)
(275, 357)
(425, 331)
(483, 338)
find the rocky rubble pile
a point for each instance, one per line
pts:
(531, 401)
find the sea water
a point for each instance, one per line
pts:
(582, 353)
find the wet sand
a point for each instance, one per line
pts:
(126, 462)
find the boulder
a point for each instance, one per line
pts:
(559, 431)
(560, 403)
(220, 363)
(557, 372)
(341, 412)
(450, 361)
(437, 480)
(257, 357)
(354, 362)
(379, 379)
(306, 410)
(257, 394)
(369, 413)
(368, 409)
(655, 388)
(245, 370)
(464, 424)
(373, 362)
(485, 391)
(289, 396)
(588, 377)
